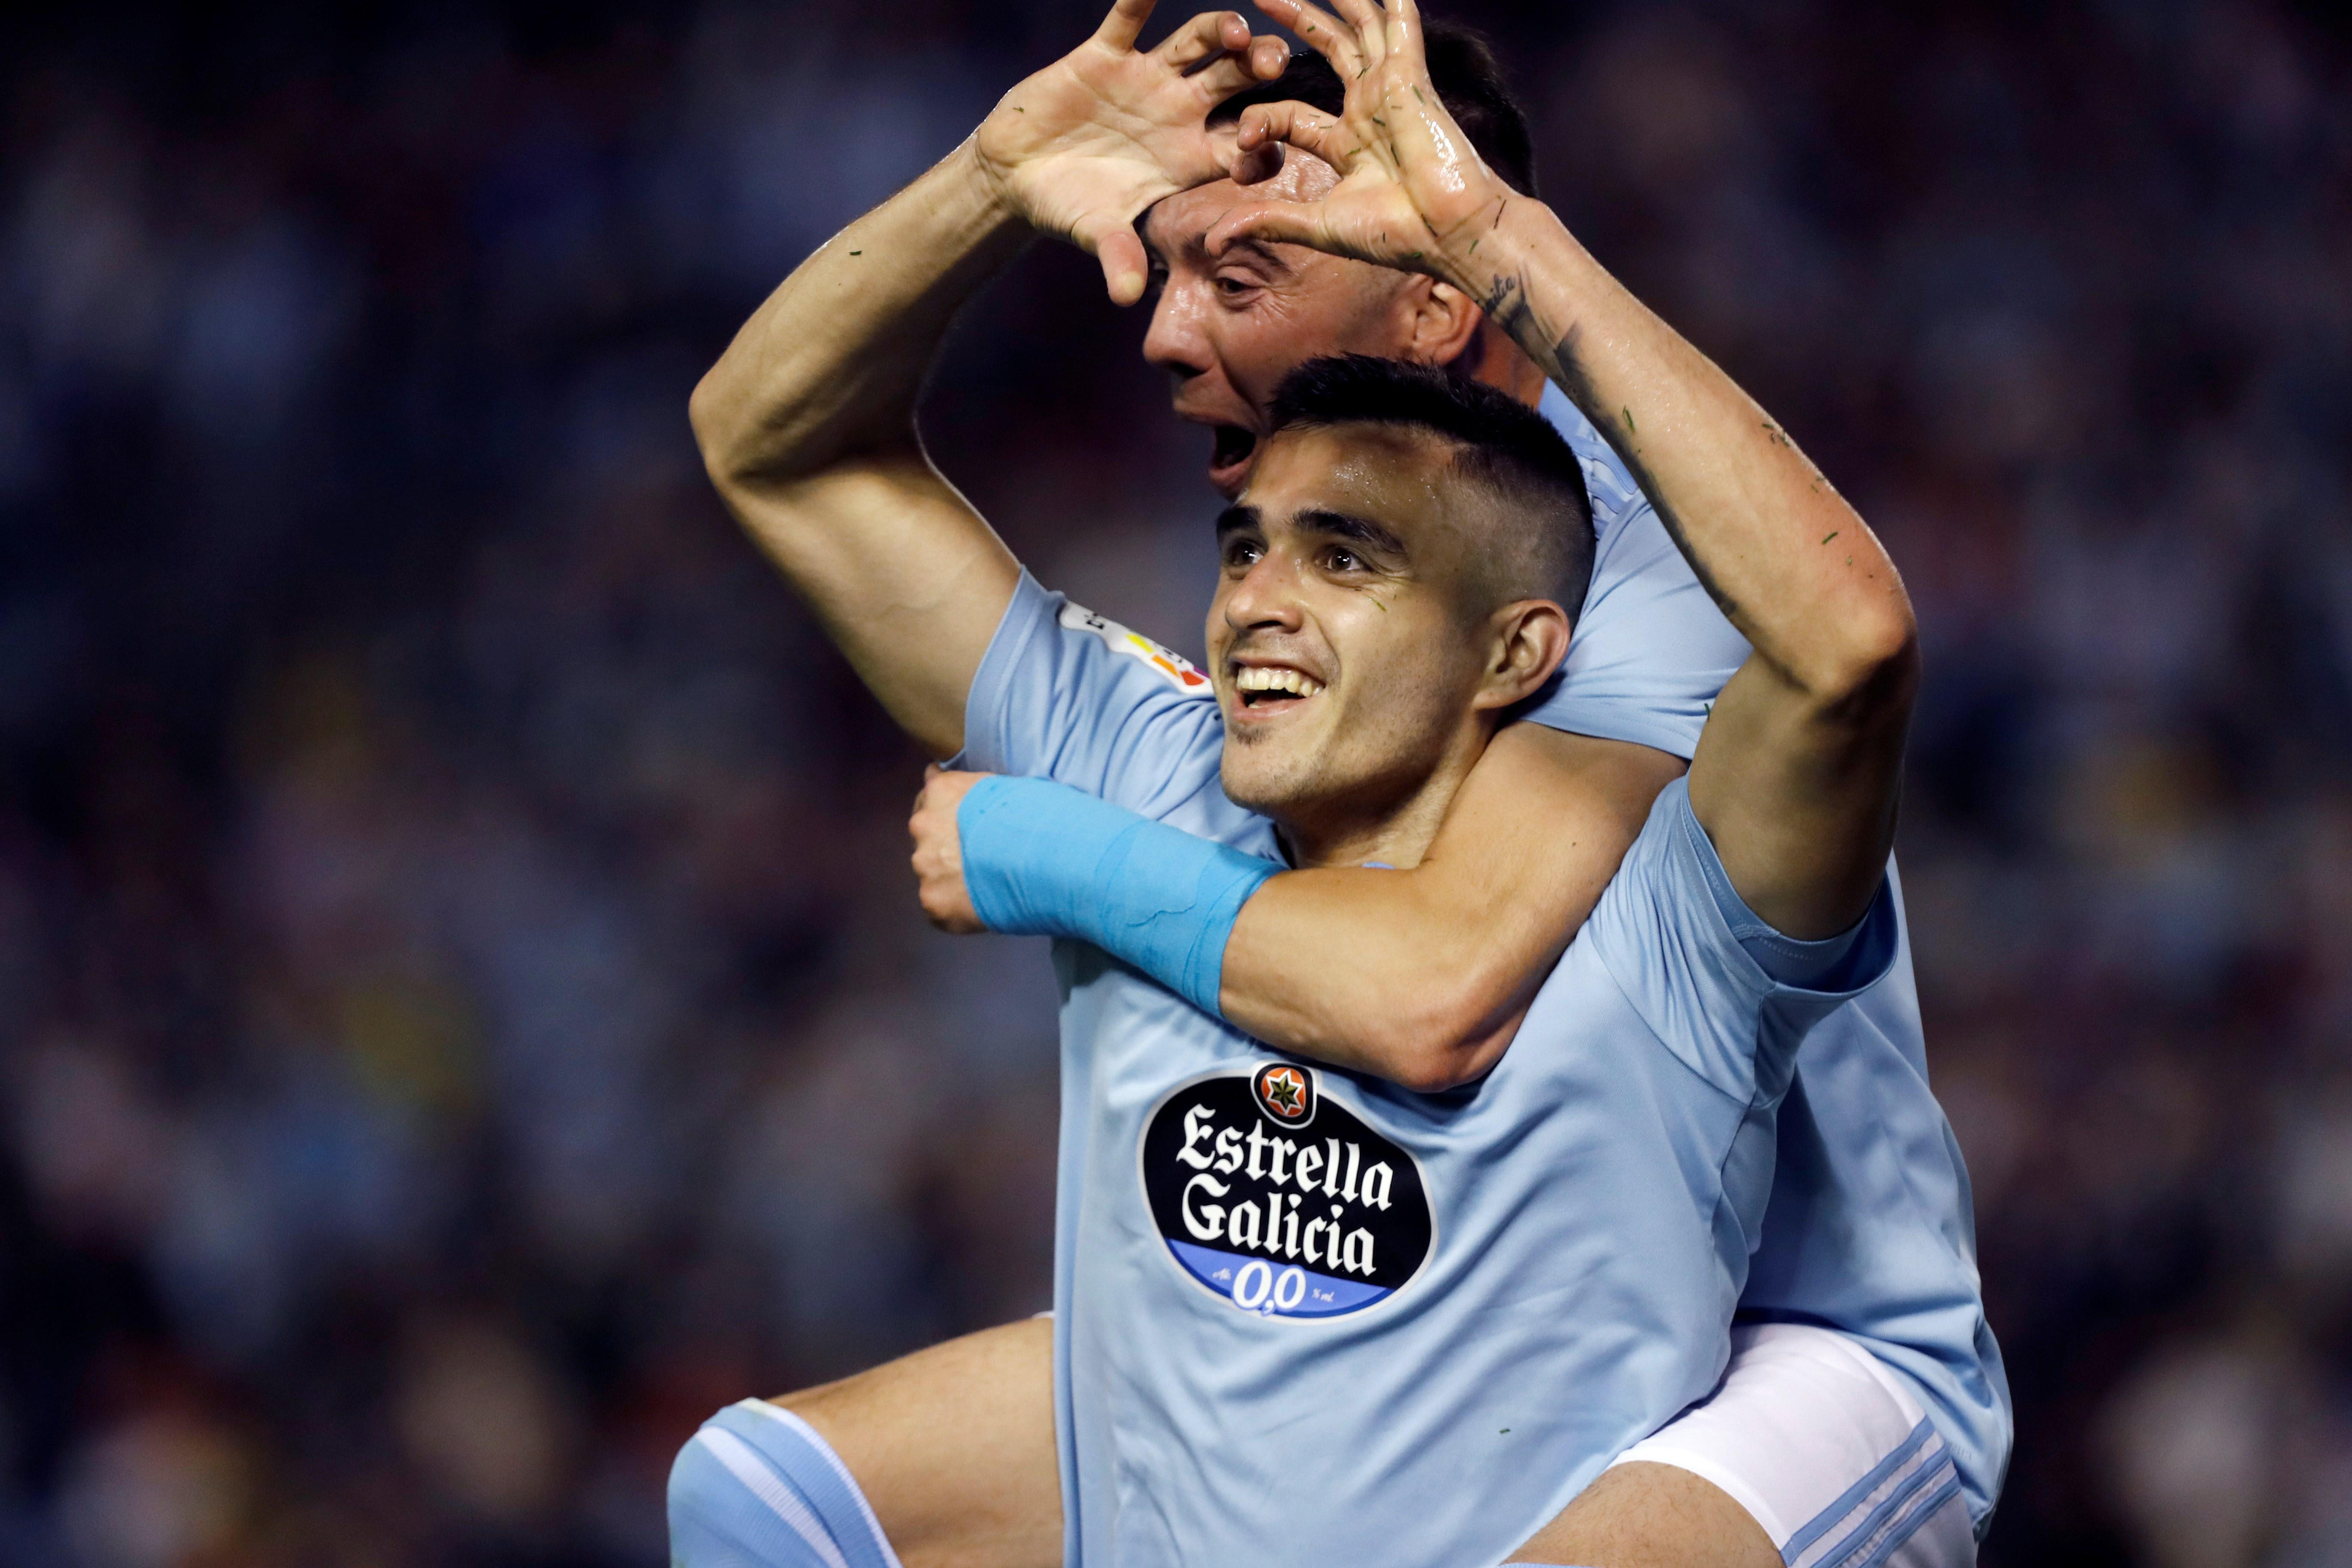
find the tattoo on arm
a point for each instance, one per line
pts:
(1508, 305)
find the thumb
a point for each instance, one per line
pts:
(1125, 272)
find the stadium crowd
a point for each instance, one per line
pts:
(463, 1010)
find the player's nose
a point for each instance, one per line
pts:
(1267, 598)
(1177, 341)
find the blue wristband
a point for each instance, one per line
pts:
(1041, 859)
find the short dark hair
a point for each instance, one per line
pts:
(1503, 445)
(1469, 82)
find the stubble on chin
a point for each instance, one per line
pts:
(1256, 780)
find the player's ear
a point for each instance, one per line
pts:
(1445, 321)
(1530, 639)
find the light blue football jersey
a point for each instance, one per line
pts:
(1303, 1315)
(1871, 1230)
(1649, 649)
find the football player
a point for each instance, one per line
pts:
(1558, 788)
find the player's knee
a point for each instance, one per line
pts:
(702, 1494)
(715, 1518)
(757, 1488)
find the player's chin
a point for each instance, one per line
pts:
(1270, 750)
(1262, 778)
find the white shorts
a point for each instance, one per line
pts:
(1827, 1450)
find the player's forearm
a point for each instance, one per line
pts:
(1418, 976)
(1792, 565)
(1422, 975)
(1799, 771)
(829, 368)
(1371, 971)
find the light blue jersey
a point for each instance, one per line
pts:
(1871, 1230)
(1649, 649)
(1303, 1315)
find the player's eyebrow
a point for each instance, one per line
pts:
(1356, 530)
(1252, 250)
(1196, 246)
(1236, 518)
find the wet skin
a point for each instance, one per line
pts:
(1229, 327)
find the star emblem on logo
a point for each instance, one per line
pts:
(1283, 1089)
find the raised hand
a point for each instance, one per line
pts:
(1083, 147)
(1413, 193)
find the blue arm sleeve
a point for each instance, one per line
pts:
(1041, 859)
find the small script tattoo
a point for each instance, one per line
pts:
(1507, 304)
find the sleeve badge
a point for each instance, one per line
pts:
(1171, 666)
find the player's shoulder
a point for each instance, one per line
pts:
(1615, 494)
(1068, 693)
(1661, 936)
(1170, 668)
(1188, 736)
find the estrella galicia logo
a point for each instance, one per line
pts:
(1286, 1094)
(1292, 1227)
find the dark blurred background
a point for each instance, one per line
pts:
(463, 1014)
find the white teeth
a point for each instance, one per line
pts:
(1267, 678)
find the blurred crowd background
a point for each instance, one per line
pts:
(463, 1014)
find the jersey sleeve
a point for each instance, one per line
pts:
(1065, 694)
(1650, 650)
(1678, 943)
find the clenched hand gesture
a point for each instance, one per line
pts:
(1083, 147)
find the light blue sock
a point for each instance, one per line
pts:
(757, 1488)
(1041, 859)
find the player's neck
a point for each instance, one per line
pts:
(1492, 358)
(1399, 832)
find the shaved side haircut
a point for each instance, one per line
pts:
(1544, 543)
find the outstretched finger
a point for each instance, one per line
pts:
(1265, 60)
(1371, 25)
(1404, 34)
(1321, 31)
(1125, 23)
(1205, 35)
(1302, 126)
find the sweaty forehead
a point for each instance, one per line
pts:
(1180, 225)
(1396, 476)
